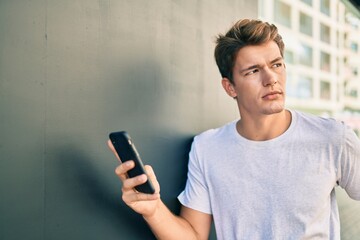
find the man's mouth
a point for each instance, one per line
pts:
(271, 95)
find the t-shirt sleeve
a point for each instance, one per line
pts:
(195, 194)
(350, 165)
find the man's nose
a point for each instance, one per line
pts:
(268, 78)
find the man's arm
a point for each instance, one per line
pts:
(191, 224)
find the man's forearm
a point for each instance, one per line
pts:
(166, 225)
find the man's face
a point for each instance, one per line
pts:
(259, 78)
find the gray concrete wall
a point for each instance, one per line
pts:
(71, 72)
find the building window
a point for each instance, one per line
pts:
(324, 33)
(354, 47)
(325, 7)
(308, 2)
(355, 71)
(352, 20)
(325, 90)
(338, 62)
(306, 24)
(353, 93)
(325, 61)
(282, 13)
(289, 57)
(301, 88)
(306, 55)
(346, 35)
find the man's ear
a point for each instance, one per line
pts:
(228, 87)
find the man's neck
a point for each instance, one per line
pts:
(265, 127)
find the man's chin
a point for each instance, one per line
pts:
(277, 108)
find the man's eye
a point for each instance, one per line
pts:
(276, 65)
(251, 72)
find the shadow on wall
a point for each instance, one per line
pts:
(85, 184)
(86, 190)
(146, 104)
(78, 190)
(136, 96)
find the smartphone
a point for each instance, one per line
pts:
(126, 150)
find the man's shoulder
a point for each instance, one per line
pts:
(319, 124)
(312, 119)
(215, 134)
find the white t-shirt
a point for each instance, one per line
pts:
(282, 188)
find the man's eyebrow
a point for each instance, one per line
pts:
(276, 59)
(258, 66)
(249, 68)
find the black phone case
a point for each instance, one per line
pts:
(126, 150)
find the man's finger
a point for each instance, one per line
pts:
(123, 168)
(131, 183)
(151, 174)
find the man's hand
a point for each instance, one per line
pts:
(142, 203)
(165, 225)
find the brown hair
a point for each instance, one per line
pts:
(243, 33)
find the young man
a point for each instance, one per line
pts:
(269, 175)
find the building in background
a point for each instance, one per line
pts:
(322, 39)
